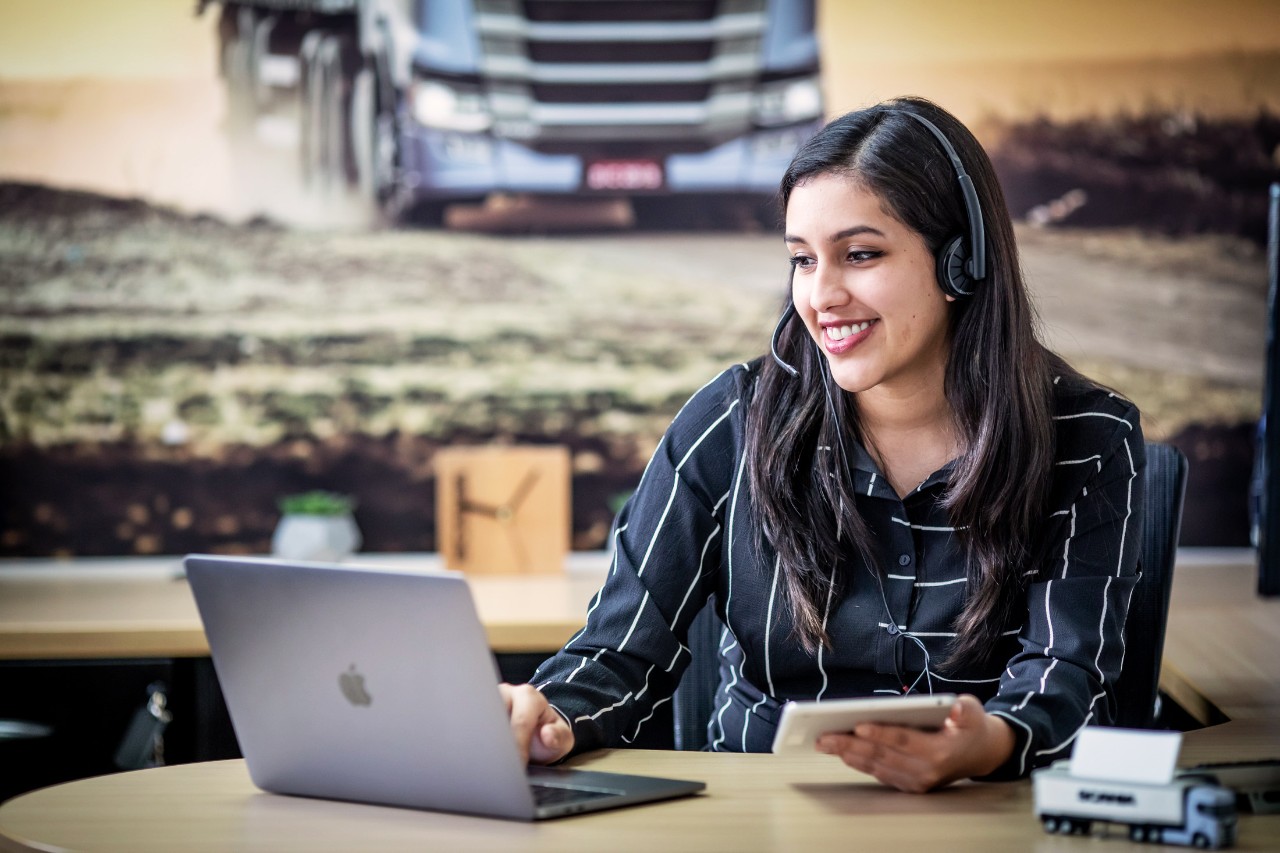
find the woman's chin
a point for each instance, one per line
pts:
(853, 381)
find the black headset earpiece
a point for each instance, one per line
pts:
(952, 263)
(961, 263)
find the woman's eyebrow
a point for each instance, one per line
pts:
(839, 235)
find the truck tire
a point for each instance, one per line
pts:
(1050, 823)
(259, 46)
(343, 63)
(375, 147)
(1200, 840)
(325, 138)
(310, 163)
(364, 118)
(237, 72)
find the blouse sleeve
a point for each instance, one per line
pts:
(1072, 642)
(611, 677)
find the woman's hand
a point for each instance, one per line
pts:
(970, 743)
(542, 735)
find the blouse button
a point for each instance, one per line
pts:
(904, 559)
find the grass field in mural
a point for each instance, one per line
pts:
(167, 377)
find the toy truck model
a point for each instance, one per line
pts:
(420, 103)
(1189, 810)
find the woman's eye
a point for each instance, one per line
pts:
(800, 261)
(859, 255)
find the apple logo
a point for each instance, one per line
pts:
(352, 685)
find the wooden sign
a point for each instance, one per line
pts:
(503, 510)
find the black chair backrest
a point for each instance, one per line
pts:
(1166, 484)
(1136, 691)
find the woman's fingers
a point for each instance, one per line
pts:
(541, 734)
(971, 743)
(554, 739)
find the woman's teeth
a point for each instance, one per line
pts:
(839, 333)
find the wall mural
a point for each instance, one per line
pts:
(253, 259)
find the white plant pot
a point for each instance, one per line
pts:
(327, 538)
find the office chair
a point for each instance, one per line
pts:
(1136, 692)
(1137, 696)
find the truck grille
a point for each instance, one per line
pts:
(620, 51)
(619, 10)
(620, 93)
(625, 71)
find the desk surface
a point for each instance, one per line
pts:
(1221, 646)
(1222, 643)
(752, 802)
(138, 608)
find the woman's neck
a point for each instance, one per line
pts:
(910, 435)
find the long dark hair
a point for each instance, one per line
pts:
(998, 383)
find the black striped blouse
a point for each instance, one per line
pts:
(687, 536)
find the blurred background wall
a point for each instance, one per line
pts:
(178, 349)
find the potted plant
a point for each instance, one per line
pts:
(316, 525)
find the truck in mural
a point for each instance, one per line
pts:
(421, 103)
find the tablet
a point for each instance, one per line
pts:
(803, 722)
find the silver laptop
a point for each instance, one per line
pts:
(378, 686)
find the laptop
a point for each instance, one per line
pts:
(378, 686)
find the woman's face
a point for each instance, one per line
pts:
(865, 287)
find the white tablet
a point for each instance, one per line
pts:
(803, 722)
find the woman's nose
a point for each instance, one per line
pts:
(827, 291)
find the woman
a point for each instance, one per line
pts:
(910, 495)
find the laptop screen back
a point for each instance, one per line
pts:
(360, 684)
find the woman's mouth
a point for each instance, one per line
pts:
(843, 337)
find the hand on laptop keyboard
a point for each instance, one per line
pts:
(541, 733)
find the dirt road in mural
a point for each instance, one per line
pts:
(165, 377)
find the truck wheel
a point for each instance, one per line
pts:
(374, 147)
(328, 96)
(1200, 840)
(364, 109)
(1049, 823)
(325, 139)
(310, 108)
(342, 70)
(238, 77)
(1136, 833)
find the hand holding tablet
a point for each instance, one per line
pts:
(802, 723)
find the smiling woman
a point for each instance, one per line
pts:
(891, 504)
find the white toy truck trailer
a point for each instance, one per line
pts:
(1189, 810)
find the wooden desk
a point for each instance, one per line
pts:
(143, 608)
(752, 802)
(1222, 645)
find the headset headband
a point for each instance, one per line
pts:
(976, 267)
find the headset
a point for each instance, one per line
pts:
(959, 269)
